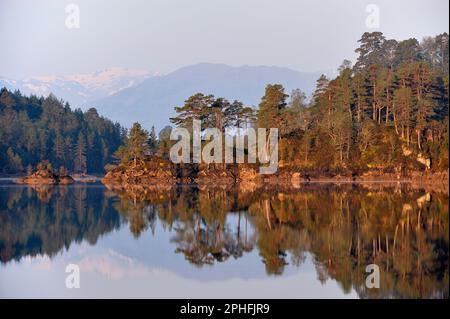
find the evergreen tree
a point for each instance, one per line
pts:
(194, 108)
(153, 141)
(136, 146)
(14, 161)
(80, 165)
(59, 151)
(273, 103)
(164, 142)
(370, 50)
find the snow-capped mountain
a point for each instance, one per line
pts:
(80, 89)
(127, 96)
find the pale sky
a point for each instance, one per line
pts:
(163, 35)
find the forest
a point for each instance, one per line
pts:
(35, 129)
(387, 112)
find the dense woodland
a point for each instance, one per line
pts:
(387, 112)
(36, 129)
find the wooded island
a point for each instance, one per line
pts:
(383, 118)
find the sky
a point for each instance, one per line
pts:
(164, 35)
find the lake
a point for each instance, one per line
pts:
(314, 241)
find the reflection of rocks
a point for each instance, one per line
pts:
(43, 192)
(139, 189)
(435, 181)
(84, 178)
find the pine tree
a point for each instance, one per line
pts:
(270, 112)
(80, 165)
(15, 162)
(164, 142)
(370, 50)
(194, 108)
(321, 87)
(137, 143)
(136, 146)
(59, 150)
(153, 141)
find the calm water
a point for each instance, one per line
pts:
(312, 242)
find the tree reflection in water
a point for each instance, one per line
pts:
(344, 228)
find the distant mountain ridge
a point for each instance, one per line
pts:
(152, 102)
(80, 90)
(127, 96)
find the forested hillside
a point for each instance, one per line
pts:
(388, 112)
(34, 129)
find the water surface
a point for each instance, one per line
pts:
(310, 242)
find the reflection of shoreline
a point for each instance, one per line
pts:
(55, 217)
(404, 184)
(344, 226)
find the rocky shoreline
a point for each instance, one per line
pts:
(45, 177)
(164, 174)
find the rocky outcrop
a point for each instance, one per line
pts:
(215, 177)
(247, 176)
(148, 173)
(45, 177)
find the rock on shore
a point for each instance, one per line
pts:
(163, 172)
(45, 177)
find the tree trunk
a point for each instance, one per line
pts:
(387, 106)
(374, 104)
(395, 119)
(418, 139)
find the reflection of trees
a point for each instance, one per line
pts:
(203, 243)
(277, 232)
(402, 233)
(344, 228)
(198, 219)
(45, 220)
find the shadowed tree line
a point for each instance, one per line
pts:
(35, 129)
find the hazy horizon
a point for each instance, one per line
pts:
(163, 36)
(157, 73)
